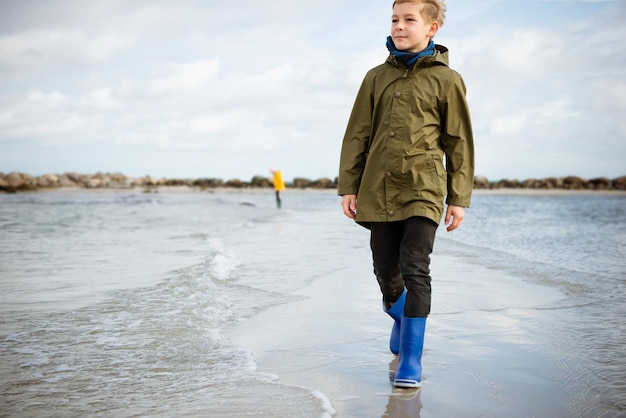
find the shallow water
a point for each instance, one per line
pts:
(117, 304)
(575, 243)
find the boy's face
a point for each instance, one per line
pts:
(409, 31)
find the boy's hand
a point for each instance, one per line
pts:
(348, 203)
(454, 217)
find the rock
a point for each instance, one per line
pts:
(481, 182)
(507, 184)
(301, 183)
(119, 180)
(4, 184)
(619, 183)
(530, 184)
(146, 181)
(236, 183)
(575, 183)
(600, 183)
(323, 183)
(101, 179)
(93, 183)
(552, 183)
(15, 181)
(48, 180)
(76, 178)
(66, 181)
(179, 182)
(261, 182)
(208, 183)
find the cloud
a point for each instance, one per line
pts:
(508, 126)
(51, 111)
(233, 84)
(102, 98)
(182, 78)
(162, 140)
(40, 49)
(528, 51)
(610, 94)
(609, 100)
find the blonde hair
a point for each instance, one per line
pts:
(432, 10)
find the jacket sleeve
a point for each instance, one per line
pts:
(356, 141)
(458, 144)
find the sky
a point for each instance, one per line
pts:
(228, 89)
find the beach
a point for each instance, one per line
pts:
(481, 357)
(185, 303)
(490, 347)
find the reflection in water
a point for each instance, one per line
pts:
(403, 403)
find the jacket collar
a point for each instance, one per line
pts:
(409, 58)
(439, 57)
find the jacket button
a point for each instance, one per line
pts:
(392, 134)
(398, 94)
(388, 174)
(390, 213)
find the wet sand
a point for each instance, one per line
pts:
(484, 354)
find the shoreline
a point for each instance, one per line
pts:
(20, 182)
(257, 190)
(478, 352)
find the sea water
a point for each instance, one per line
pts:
(576, 243)
(118, 303)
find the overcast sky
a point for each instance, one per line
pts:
(226, 89)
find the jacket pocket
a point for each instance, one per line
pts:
(441, 175)
(426, 174)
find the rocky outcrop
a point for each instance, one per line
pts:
(619, 183)
(207, 183)
(481, 182)
(323, 183)
(551, 183)
(19, 182)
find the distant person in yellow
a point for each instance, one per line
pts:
(279, 185)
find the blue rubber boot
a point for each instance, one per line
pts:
(396, 311)
(409, 372)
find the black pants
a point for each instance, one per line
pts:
(401, 253)
(279, 202)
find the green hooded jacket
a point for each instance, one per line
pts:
(403, 123)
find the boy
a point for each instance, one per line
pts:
(409, 113)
